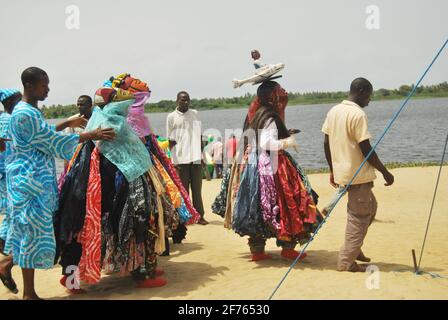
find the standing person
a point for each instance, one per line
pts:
(230, 149)
(347, 143)
(31, 178)
(184, 130)
(9, 98)
(217, 154)
(209, 164)
(85, 106)
(269, 196)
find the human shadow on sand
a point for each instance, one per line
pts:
(327, 260)
(182, 277)
(179, 249)
(383, 221)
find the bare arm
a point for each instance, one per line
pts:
(328, 157)
(375, 161)
(76, 122)
(328, 152)
(107, 134)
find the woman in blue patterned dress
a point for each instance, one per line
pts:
(31, 177)
(9, 99)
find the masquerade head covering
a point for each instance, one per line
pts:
(136, 117)
(126, 82)
(279, 93)
(126, 151)
(104, 96)
(7, 93)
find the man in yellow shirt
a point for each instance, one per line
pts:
(347, 143)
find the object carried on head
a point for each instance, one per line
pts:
(255, 54)
(262, 74)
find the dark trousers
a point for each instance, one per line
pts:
(191, 176)
(219, 168)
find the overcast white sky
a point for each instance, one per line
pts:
(201, 45)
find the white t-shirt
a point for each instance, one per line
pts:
(346, 126)
(217, 152)
(186, 130)
(73, 130)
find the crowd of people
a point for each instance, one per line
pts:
(125, 190)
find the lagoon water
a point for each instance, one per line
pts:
(418, 134)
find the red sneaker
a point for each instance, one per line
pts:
(152, 283)
(292, 254)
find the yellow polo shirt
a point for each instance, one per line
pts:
(346, 125)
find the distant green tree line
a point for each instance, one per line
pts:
(295, 98)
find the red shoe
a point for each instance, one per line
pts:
(260, 256)
(159, 272)
(292, 254)
(152, 283)
(63, 282)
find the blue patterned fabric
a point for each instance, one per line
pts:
(127, 151)
(4, 156)
(183, 212)
(32, 187)
(247, 218)
(6, 93)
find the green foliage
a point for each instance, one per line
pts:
(295, 98)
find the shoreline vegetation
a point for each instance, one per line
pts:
(295, 99)
(390, 165)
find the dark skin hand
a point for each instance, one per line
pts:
(107, 134)
(373, 160)
(77, 122)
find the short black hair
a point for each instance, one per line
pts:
(182, 92)
(33, 75)
(87, 98)
(360, 84)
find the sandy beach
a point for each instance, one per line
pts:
(213, 262)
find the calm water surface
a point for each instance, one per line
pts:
(418, 134)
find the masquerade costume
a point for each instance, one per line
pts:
(118, 201)
(265, 194)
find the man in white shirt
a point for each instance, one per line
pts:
(84, 105)
(346, 145)
(217, 154)
(184, 131)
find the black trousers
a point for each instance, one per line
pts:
(191, 176)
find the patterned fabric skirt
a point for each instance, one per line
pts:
(118, 226)
(267, 200)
